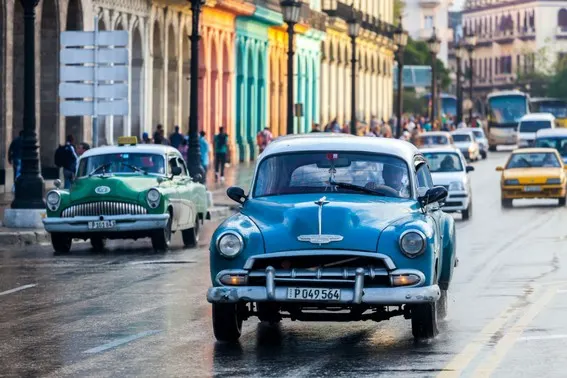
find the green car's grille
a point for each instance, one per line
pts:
(103, 208)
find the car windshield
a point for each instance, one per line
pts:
(122, 163)
(443, 162)
(560, 144)
(462, 138)
(433, 139)
(533, 160)
(319, 172)
(478, 134)
(534, 126)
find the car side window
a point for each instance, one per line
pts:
(172, 160)
(181, 163)
(424, 179)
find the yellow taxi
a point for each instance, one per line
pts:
(533, 173)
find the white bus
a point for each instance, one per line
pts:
(505, 109)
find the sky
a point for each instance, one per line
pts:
(458, 4)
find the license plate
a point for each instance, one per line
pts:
(532, 188)
(101, 225)
(311, 294)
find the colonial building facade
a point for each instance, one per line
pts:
(242, 69)
(514, 37)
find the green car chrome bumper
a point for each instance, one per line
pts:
(121, 223)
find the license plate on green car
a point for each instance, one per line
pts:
(101, 225)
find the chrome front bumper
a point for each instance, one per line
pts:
(124, 223)
(357, 294)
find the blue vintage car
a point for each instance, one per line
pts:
(334, 228)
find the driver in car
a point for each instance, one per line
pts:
(394, 178)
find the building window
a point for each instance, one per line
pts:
(428, 22)
(562, 19)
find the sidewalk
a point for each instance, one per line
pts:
(239, 175)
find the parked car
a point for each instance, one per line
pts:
(449, 169)
(553, 138)
(434, 138)
(530, 124)
(533, 173)
(128, 191)
(480, 139)
(466, 142)
(334, 223)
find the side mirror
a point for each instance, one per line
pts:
(176, 171)
(470, 168)
(436, 194)
(57, 183)
(499, 169)
(236, 194)
(198, 178)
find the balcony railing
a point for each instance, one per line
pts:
(273, 5)
(342, 10)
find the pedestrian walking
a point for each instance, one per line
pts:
(263, 138)
(158, 134)
(146, 138)
(184, 147)
(176, 138)
(66, 158)
(221, 149)
(15, 156)
(315, 128)
(82, 148)
(204, 148)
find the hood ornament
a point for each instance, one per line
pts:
(320, 238)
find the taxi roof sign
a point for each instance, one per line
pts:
(127, 140)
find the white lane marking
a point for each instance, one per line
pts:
(162, 262)
(118, 342)
(548, 337)
(18, 289)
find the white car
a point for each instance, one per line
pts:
(465, 141)
(449, 169)
(530, 124)
(480, 139)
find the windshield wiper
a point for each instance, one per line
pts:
(134, 168)
(102, 167)
(346, 185)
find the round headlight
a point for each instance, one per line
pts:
(230, 244)
(53, 198)
(153, 197)
(412, 243)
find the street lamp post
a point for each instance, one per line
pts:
(194, 154)
(353, 31)
(434, 47)
(291, 10)
(401, 40)
(29, 185)
(470, 40)
(459, 54)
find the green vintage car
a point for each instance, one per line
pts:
(128, 191)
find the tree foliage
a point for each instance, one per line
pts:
(549, 78)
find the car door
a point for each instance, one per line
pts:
(185, 187)
(433, 213)
(174, 193)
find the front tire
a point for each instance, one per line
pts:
(98, 244)
(190, 236)
(227, 322)
(442, 305)
(492, 148)
(483, 154)
(162, 238)
(506, 203)
(562, 201)
(467, 213)
(424, 321)
(61, 243)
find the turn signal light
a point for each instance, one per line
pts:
(405, 280)
(231, 280)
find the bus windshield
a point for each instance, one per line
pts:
(556, 107)
(507, 109)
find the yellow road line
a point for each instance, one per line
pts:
(507, 342)
(460, 362)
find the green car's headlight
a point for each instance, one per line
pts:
(412, 243)
(53, 200)
(230, 244)
(153, 198)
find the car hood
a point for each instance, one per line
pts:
(359, 219)
(128, 187)
(445, 178)
(532, 175)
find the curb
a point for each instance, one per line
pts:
(22, 237)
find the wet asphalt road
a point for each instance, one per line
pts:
(130, 312)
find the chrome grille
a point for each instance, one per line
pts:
(103, 208)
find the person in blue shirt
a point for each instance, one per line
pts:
(204, 147)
